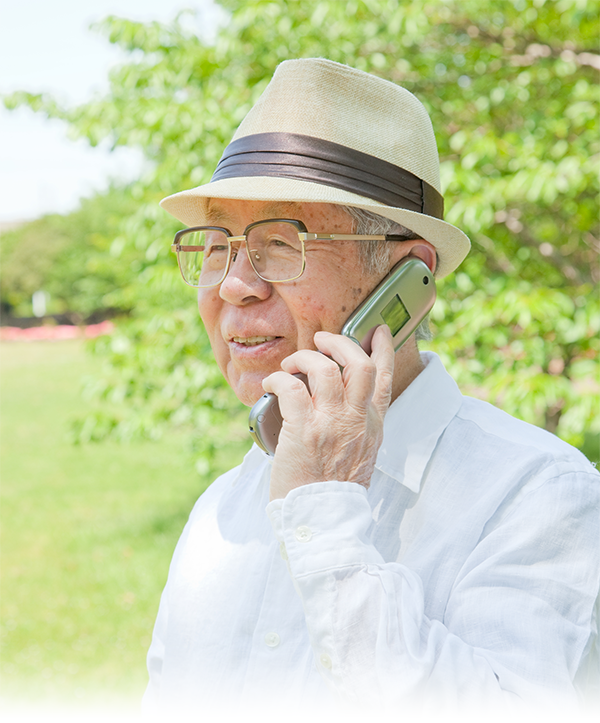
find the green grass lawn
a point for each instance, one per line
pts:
(87, 535)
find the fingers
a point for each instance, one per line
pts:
(333, 432)
(383, 356)
(363, 379)
(295, 403)
(324, 375)
(367, 380)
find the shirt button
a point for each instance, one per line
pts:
(325, 661)
(272, 640)
(303, 533)
(283, 551)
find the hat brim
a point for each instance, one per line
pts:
(190, 207)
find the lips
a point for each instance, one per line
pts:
(252, 340)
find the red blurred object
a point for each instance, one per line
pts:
(55, 333)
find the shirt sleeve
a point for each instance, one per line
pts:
(517, 623)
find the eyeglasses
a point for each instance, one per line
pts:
(275, 248)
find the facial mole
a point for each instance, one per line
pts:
(357, 292)
(343, 308)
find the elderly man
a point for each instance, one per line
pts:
(405, 543)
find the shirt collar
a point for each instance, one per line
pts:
(415, 422)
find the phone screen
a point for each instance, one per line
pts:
(395, 314)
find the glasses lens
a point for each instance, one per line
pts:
(275, 251)
(203, 257)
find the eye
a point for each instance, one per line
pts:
(215, 248)
(215, 243)
(274, 239)
(279, 242)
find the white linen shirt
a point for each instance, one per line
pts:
(468, 572)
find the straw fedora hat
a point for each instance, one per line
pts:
(322, 132)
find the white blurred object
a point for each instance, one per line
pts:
(38, 302)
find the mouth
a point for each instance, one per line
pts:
(253, 340)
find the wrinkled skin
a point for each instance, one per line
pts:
(262, 333)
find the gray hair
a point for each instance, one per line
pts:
(375, 255)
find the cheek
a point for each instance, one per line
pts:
(312, 308)
(307, 307)
(208, 307)
(323, 312)
(206, 302)
(329, 303)
(303, 306)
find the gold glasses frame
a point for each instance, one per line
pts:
(303, 236)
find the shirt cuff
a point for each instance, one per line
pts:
(324, 526)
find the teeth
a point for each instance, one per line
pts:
(252, 340)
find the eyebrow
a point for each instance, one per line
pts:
(215, 215)
(277, 209)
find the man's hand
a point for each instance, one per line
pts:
(335, 432)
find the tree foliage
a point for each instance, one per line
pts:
(75, 259)
(511, 86)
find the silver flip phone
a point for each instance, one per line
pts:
(401, 300)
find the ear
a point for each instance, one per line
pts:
(426, 252)
(420, 249)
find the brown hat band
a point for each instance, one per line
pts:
(306, 158)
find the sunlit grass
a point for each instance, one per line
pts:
(87, 535)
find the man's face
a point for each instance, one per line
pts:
(252, 324)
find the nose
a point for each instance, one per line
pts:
(242, 285)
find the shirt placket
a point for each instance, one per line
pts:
(279, 627)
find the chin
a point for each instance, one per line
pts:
(248, 394)
(247, 383)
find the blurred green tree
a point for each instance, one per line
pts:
(511, 86)
(72, 258)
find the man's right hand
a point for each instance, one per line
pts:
(335, 432)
